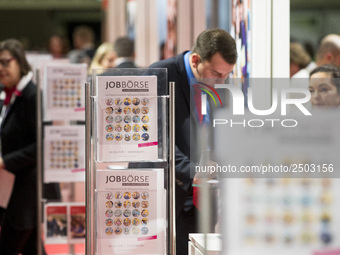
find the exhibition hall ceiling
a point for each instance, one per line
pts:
(50, 4)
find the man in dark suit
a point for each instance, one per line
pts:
(125, 51)
(212, 56)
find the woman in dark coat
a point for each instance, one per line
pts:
(18, 149)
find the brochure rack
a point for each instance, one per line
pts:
(129, 162)
(61, 159)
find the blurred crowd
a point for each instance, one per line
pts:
(322, 68)
(18, 107)
(120, 54)
(303, 59)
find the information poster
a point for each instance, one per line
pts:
(64, 159)
(56, 223)
(37, 61)
(127, 118)
(64, 91)
(64, 223)
(131, 210)
(77, 223)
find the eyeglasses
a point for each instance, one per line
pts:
(5, 61)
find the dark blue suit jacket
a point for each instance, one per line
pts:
(185, 127)
(128, 64)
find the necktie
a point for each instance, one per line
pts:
(198, 103)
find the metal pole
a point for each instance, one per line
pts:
(39, 163)
(204, 192)
(89, 242)
(172, 209)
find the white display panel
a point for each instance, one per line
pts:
(131, 206)
(64, 91)
(64, 148)
(127, 127)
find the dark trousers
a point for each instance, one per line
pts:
(186, 222)
(15, 241)
(2, 215)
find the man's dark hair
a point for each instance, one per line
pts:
(215, 40)
(334, 72)
(15, 48)
(124, 47)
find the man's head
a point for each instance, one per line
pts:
(213, 55)
(329, 51)
(83, 36)
(124, 47)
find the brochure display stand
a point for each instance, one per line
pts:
(128, 171)
(61, 159)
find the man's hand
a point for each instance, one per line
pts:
(207, 175)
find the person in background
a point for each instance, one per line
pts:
(58, 46)
(18, 149)
(329, 51)
(84, 45)
(213, 56)
(125, 50)
(104, 57)
(308, 46)
(324, 86)
(299, 60)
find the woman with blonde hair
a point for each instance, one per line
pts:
(104, 57)
(299, 60)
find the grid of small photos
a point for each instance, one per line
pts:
(64, 154)
(127, 119)
(66, 93)
(127, 213)
(288, 212)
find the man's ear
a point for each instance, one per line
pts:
(195, 60)
(329, 57)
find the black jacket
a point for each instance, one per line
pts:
(128, 64)
(18, 141)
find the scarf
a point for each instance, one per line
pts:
(9, 92)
